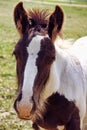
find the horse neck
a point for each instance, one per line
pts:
(56, 70)
(58, 66)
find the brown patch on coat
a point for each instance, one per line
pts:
(46, 56)
(59, 111)
(21, 55)
(35, 18)
(39, 20)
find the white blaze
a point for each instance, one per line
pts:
(31, 68)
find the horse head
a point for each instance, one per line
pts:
(35, 53)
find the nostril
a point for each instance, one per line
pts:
(17, 100)
(19, 97)
(15, 106)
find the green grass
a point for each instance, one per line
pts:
(75, 23)
(67, 1)
(75, 26)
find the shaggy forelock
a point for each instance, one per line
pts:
(39, 16)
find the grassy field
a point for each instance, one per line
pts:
(68, 1)
(75, 26)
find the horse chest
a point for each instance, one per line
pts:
(59, 111)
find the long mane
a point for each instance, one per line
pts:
(64, 44)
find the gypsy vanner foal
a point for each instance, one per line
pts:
(52, 81)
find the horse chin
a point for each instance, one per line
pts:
(27, 117)
(24, 117)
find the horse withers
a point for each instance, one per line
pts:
(52, 79)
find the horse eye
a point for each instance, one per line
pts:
(31, 23)
(44, 25)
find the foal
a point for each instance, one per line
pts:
(52, 81)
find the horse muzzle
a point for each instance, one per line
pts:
(23, 109)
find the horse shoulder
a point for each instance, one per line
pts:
(72, 79)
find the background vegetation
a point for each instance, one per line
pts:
(75, 26)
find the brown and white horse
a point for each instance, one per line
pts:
(52, 80)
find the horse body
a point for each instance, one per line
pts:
(51, 78)
(68, 76)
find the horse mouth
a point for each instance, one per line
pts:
(28, 117)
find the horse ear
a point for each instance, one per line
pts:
(55, 23)
(20, 18)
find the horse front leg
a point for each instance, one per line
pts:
(73, 124)
(35, 126)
